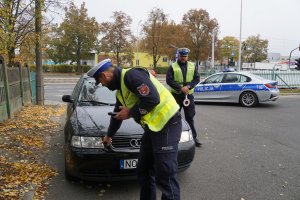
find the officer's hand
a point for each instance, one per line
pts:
(107, 140)
(185, 90)
(123, 114)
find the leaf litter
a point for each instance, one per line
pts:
(23, 146)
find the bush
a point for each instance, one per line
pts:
(161, 70)
(62, 68)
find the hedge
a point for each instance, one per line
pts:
(65, 68)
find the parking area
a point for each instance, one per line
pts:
(249, 153)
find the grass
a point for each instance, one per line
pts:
(287, 90)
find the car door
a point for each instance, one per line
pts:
(232, 87)
(209, 89)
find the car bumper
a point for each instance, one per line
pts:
(100, 165)
(271, 95)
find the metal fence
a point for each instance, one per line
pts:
(285, 79)
(15, 89)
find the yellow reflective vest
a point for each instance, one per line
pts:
(179, 78)
(157, 118)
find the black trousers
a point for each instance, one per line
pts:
(189, 111)
(157, 164)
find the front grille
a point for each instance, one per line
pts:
(107, 173)
(126, 142)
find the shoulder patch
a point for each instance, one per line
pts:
(143, 89)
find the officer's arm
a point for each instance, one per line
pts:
(114, 124)
(170, 80)
(196, 78)
(138, 82)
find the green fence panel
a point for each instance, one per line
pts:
(14, 86)
(285, 79)
(33, 87)
(3, 107)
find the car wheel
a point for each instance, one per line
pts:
(248, 99)
(68, 174)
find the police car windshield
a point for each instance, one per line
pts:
(96, 95)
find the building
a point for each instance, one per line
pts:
(273, 57)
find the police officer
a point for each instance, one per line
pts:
(141, 96)
(182, 76)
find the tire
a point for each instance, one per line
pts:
(248, 99)
(68, 175)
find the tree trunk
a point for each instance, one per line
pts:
(11, 57)
(38, 52)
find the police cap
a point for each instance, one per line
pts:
(183, 51)
(99, 67)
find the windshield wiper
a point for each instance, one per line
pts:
(97, 103)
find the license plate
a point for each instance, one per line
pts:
(128, 164)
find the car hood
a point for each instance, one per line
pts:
(94, 120)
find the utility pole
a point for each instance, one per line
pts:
(213, 49)
(38, 53)
(240, 48)
(137, 44)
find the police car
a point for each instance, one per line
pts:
(236, 87)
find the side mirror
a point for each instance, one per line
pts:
(67, 98)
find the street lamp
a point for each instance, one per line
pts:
(240, 48)
(137, 44)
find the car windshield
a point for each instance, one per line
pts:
(96, 95)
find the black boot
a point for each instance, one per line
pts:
(197, 143)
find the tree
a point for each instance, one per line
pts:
(75, 37)
(198, 28)
(255, 49)
(154, 38)
(16, 22)
(117, 38)
(229, 48)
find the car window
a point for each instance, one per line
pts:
(214, 79)
(244, 79)
(231, 78)
(90, 92)
(236, 78)
(77, 87)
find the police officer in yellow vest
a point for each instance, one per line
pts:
(182, 76)
(141, 96)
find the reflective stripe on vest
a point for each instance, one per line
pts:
(179, 78)
(161, 114)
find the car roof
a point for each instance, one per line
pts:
(250, 75)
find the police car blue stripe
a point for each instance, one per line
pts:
(230, 87)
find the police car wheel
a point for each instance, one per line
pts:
(248, 99)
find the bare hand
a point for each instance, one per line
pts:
(185, 90)
(107, 141)
(123, 114)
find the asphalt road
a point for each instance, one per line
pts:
(247, 153)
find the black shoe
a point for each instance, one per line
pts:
(197, 143)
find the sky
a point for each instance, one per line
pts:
(274, 20)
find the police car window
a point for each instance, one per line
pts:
(214, 79)
(244, 79)
(231, 78)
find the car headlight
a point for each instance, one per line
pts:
(86, 142)
(186, 136)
